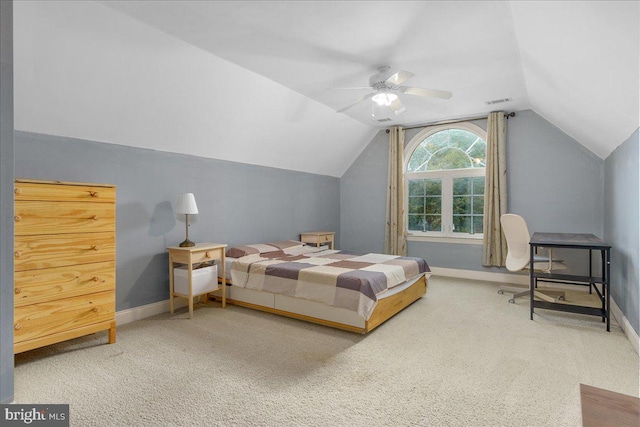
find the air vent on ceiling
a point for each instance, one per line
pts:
(498, 101)
(386, 119)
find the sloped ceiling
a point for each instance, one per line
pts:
(575, 63)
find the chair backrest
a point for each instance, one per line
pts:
(517, 234)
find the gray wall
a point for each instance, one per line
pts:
(622, 182)
(363, 193)
(6, 201)
(553, 182)
(238, 203)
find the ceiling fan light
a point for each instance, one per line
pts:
(384, 98)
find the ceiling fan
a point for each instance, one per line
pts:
(387, 86)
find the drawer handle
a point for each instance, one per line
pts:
(93, 193)
(17, 326)
(95, 247)
(18, 191)
(207, 254)
(17, 218)
(17, 290)
(18, 254)
(95, 217)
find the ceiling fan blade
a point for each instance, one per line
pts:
(419, 91)
(364, 98)
(399, 77)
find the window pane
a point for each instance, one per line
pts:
(478, 154)
(416, 187)
(449, 158)
(434, 205)
(433, 187)
(461, 186)
(449, 149)
(477, 224)
(425, 223)
(478, 185)
(416, 205)
(461, 205)
(415, 222)
(462, 139)
(462, 223)
(433, 223)
(418, 160)
(478, 205)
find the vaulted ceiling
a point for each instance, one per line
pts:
(575, 63)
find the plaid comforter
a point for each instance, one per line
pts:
(330, 277)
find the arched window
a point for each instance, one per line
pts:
(444, 181)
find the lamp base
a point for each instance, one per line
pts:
(186, 244)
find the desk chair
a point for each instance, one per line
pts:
(517, 234)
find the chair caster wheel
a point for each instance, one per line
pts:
(512, 301)
(500, 291)
(561, 298)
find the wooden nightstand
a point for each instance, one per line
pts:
(200, 253)
(318, 237)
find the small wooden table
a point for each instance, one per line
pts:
(318, 237)
(201, 252)
(604, 408)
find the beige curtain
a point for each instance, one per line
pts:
(395, 242)
(494, 251)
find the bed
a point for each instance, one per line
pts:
(330, 287)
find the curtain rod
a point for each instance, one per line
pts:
(446, 122)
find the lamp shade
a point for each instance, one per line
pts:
(186, 204)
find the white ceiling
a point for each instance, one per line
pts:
(576, 63)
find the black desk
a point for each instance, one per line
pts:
(573, 241)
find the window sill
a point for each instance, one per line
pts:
(434, 239)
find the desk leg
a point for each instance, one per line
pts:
(591, 282)
(606, 286)
(531, 279)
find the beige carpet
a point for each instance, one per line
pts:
(460, 356)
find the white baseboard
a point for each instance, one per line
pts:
(488, 276)
(523, 279)
(631, 334)
(141, 312)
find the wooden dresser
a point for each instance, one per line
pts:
(64, 262)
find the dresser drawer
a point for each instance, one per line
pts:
(63, 192)
(38, 217)
(48, 251)
(48, 318)
(47, 284)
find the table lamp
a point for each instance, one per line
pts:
(186, 204)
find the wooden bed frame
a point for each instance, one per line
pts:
(384, 309)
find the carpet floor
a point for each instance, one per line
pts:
(459, 356)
